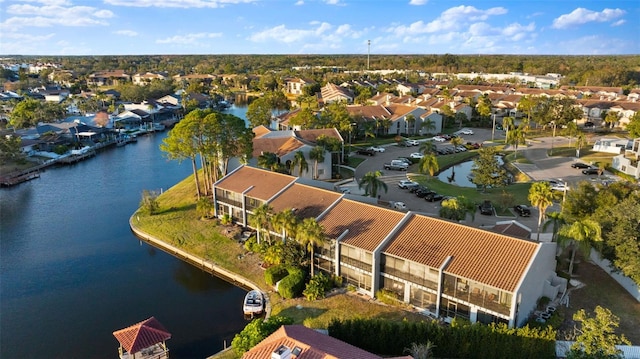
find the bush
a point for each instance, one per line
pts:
(274, 274)
(292, 285)
(317, 287)
(254, 332)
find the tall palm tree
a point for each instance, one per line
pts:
(301, 162)
(286, 223)
(456, 141)
(428, 126)
(310, 234)
(556, 220)
(427, 147)
(317, 155)
(580, 234)
(516, 137)
(260, 221)
(428, 164)
(268, 160)
(507, 123)
(541, 195)
(372, 183)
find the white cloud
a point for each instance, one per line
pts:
(27, 37)
(299, 2)
(189, 39)
(618, 23)
(333, 2)
(185, 4)
(53, 14)
(281, 33)
(130, 33)
(581, 16)
(418, 2)
(452, 19)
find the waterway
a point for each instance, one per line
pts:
(72, 272)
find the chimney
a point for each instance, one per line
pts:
(283, 352)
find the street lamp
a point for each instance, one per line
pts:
(553, 136)
(493, 130)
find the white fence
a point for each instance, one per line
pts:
(627, 283)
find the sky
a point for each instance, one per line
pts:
(389, 27)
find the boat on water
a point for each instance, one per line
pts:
(253, 303)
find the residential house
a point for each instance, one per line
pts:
(406, 88)
(626, 110)
(300, 342)
(110, 78)
(441, 268)
(294, 86)
(334, 93)
(628, 162)
(146, 78)
(285, 144)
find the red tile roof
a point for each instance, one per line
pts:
(312, 345)
(479, 255)
(265, 183)
(142, 335)
(316, 200)
(368, 225)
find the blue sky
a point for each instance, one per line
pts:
(137, 27)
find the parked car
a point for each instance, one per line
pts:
(589, 124)
(414, 189)
(439, 139)
(416, 155)
(432, 197)
(412, 142)
(377, 149)
(421, 192)
(461, 148)
(579, 165)
(591, 171)
(395, 166)
(398, 205)
(404, 183)
(366, 151)
(522, 210)
(466, 131)
(486, 208)
(404, 159)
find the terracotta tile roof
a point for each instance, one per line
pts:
(368, 225)
(312, 135)
(479, 255)
(265, 183)
(142, 335)
(369, 112)
(316, 200)
(312, 345)
(279, 145)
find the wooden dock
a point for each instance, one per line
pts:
(75, 158)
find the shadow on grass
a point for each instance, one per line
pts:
(299, 312)
(175, 209)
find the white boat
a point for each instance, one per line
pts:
(253, 303)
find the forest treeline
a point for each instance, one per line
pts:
(604, 70)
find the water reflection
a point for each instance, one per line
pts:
(459, 174)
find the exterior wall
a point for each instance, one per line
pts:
(625, 165)
(539, 277)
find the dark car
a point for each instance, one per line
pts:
(366, 151)
(579, 165)
(421, 193)
(432, 197)
(414, 189)
(591, 171)
(486, 208)
(522, 210)
(589, 124)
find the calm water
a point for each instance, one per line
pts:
(459, 174)
(72, 272)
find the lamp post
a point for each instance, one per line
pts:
(493, 130)
(553, 136)
(368, 52)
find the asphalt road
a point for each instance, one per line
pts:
(542, 167)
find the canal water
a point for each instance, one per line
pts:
(72, 272)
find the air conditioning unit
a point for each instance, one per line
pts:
(283, 352)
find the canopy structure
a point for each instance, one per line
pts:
(142, 335)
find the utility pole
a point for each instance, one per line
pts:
(368, 52)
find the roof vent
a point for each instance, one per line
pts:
(283, 352)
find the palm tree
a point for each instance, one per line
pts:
(268, 160)
(310, 234)
(301, 162)
(581, 141)
(507, 123)
(420, 351)
(428, 147)
(516, 137)
(286, 223)
(428, 126)
(317, 155)
(541, 196)
(260, 221)
(372, 183)
(429, 164)
(557, 220)
(580, 234)
(456, 141)
(411, 124)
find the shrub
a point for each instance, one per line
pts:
(226, 219)
(292, 285)
(149, 203)
(254, 332)
(317, 287)
(275, 273)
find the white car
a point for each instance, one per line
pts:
(416, 155)
(412, 142)
(406, 183)
(377, 149)
(466, 131)
(439, 139)
(399, 205)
